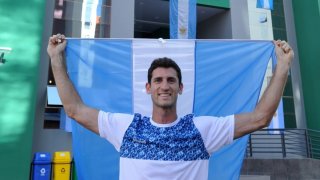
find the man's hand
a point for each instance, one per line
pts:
(56, 45)
(284, 53)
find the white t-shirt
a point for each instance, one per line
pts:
(179, 150)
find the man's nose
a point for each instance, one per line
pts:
(165, 85)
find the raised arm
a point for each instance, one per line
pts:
(71, 101)
(267, 106)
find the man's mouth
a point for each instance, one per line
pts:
(164, 94)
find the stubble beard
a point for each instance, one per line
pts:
(165, 105)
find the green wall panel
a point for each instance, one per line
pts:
(307, 22)
(21, 29)
(217, 3)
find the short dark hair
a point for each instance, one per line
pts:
(165, 63)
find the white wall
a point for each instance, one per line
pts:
(258, 30)
(240, 19)
(122, 19)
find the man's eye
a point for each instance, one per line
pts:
(171, 80)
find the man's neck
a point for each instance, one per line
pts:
(164, 116)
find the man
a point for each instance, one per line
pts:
(166, 146)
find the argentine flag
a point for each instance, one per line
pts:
(183, 19)
(221, 77)
(265, 4)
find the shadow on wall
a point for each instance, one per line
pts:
(17, 101)
(18, 77)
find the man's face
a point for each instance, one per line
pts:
(164, 88)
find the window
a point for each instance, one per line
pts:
(79, 19)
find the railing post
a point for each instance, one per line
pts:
(250, 145)
(307, 143)
(283, 145)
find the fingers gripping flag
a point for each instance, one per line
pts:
(220, 78)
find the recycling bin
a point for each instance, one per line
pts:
(41, 166)
(61, 165)
(74, 171)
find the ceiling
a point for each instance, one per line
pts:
(150, 15)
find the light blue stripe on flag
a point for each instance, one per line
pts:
(228, 78)
(265, 4)
(102, 74)
(183, 19)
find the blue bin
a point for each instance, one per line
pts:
(41, 166)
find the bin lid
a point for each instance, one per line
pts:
(62, 157)
(42, 157)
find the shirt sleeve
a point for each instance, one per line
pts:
(112, 126)
(216, 132)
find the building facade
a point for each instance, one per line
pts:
(28, 122)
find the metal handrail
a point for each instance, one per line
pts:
(284, 143)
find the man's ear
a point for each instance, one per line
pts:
(180, 88)
(148, 86)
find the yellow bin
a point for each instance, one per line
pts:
(61, 165)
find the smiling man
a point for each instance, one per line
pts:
(165, 146)
(164, 85)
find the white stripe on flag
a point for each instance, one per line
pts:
(85, 73)
(183, 19)
(144, 52)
